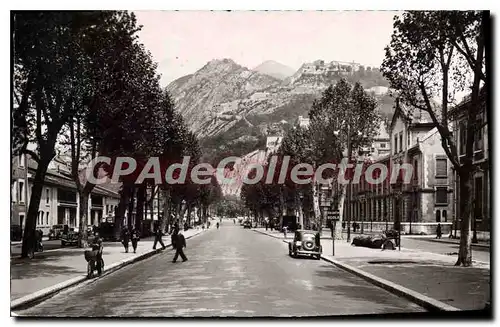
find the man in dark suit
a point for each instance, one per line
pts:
(178, 243)
(158, 238)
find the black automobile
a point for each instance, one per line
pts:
(55, 232)
(247, 224)
(69, 237)
(305, 242)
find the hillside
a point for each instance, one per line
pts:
(231, 108)
(274, 69)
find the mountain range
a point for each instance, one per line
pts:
(232, 108)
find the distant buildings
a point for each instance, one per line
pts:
(319, 67)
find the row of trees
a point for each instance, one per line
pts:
(82, 80)
(344, 114)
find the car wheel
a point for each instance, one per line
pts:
(318, 257)
(63, 244)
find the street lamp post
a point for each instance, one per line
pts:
(363, 216)
(301, 212)
(398, 196)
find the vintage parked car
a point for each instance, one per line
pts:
(384, 240)
(305, 242)
(247, 224)
(69, 238)
(55, 232)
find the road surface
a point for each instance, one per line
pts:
(230, 272)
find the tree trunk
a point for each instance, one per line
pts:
(84, 209)
(141, 199)
(341, 204)
(122, 206)
(317, 211)
(29, 237)
(152, 203)
(131, 205)
(465, 249)
(189, 211)
(166, 206)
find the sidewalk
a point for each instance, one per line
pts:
(50, 268)
(433, 275)
(447, 240)
(44, 238)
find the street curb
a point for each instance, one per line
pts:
(451, 242)
(418, 298)
(48, 292)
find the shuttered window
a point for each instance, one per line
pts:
(441, 167)
(441, 195)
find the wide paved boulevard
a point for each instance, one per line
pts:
(230, 272)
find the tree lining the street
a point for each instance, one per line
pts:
(434, 55)
(83, 80)
(53, 52)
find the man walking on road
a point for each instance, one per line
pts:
(158, 238)
(178, 243)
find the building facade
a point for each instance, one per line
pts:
(425, 199)
(59, 202)
(481, 179)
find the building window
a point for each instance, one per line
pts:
(21, 191)
(395, 144)
(14, 192)
(441, 195)
(478, 135)
(415, 171)
(382, 145)
(408, 138)
(445, 216)
(438, 216)
(441, 167)
(463, 137)
(47, 196)
(40, 215)
(21, 160)
(478, 198)
(401, 141)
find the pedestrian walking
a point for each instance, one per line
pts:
(135, 239)
(125, 238)
(266, 224)
(285, 230)
(158, 238)
(39, 243)
(178, 243)
(439, 233)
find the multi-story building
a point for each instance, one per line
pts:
(481, 179)
(59, 202)
(423, 202)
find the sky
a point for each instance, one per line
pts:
(182, 42)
